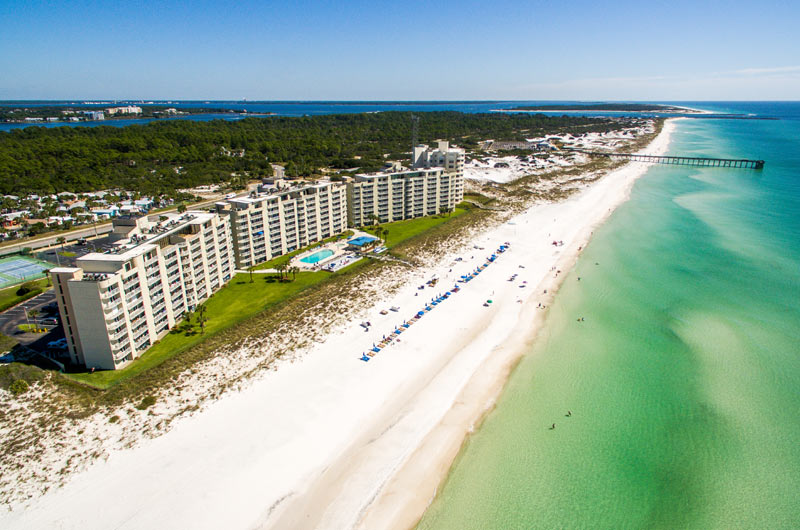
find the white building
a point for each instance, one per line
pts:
(124, 110)
(115, 305)
(94, 114)
(435, 185)
(449, 158)
(269, 225)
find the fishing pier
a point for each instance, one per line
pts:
(680, 160)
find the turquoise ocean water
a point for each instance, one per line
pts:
(683, 380)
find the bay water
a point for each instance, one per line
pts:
(676, 400)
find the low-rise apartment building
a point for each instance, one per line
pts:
(435, 185)
(115, 305)
(272, 224)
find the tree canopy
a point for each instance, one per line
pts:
(162, 156)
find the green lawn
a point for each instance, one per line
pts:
(31, 328)
(234, 303)
(399, 231)
(9, 296)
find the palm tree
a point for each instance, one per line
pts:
(385, 236)
(202, 318)
(294, 271)
(281, 267)
(251, 274)
(33, 313)
(61, 240)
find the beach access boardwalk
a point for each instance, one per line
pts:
(679, 160)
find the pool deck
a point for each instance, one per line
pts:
(341, 257)
(340, 254)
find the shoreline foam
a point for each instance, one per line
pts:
(327, 440)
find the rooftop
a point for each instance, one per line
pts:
(145, 234)
(361, 241)
(398, 174)
(255, 197)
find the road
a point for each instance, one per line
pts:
(49, 241)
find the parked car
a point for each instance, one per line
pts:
(60, 344)
(50, 321)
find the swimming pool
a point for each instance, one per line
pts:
(317, 256)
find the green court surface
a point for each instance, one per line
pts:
(19, 269)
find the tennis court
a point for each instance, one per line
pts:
(18, 269)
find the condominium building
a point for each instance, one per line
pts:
(435, 185)
(450, 158)
(272, 224)
(114, 305)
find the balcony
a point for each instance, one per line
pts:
(122, 354)
(112, 315)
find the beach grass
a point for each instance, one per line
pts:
(6, 343)
(478, 198)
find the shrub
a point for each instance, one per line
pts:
(146, 403)
(20, 386)
(25, 288)
(113, 419)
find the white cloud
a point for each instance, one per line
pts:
(761, 71)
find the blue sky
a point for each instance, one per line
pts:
(302, 50)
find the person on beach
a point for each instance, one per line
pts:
(569, 413)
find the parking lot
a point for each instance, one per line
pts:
(75, 251)
(45, 305)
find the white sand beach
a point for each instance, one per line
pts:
(330, 441)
